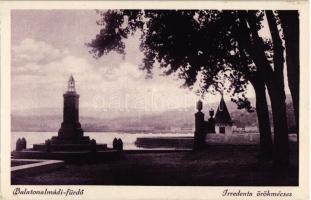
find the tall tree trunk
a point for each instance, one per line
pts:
(277, 94)
(265, 145)
(242, 35)
(274, 81)
(290, 25)
(281, 145)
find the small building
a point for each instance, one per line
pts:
(223, 121)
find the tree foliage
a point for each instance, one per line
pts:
(184, 42)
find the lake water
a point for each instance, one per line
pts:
(100, 137)
(127, 138)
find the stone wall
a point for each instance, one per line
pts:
(210, 139)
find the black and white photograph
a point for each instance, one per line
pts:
(155, 97)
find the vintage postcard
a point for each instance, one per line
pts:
(154, 100)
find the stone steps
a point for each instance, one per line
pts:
(69, 147)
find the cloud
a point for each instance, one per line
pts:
(29, 50)
(40, 72)
(125, 71)
(38, 58)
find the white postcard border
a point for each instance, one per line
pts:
(140, 192)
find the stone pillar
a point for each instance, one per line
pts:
(23, 143)
(18, 145)
(120, 144)
(114, 143)
(93, 146)
(211, 122)
(199, 134)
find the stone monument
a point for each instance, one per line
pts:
(70, 130)
(70, 135)
(70, 144)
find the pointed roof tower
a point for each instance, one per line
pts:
(222, 114)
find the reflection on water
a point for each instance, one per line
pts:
(100, 137)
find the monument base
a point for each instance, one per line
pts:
(81, 143)
(77, 140)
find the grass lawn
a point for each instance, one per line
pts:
(215, 166)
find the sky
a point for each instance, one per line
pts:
(49, 45)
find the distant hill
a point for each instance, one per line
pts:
(92, 120)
